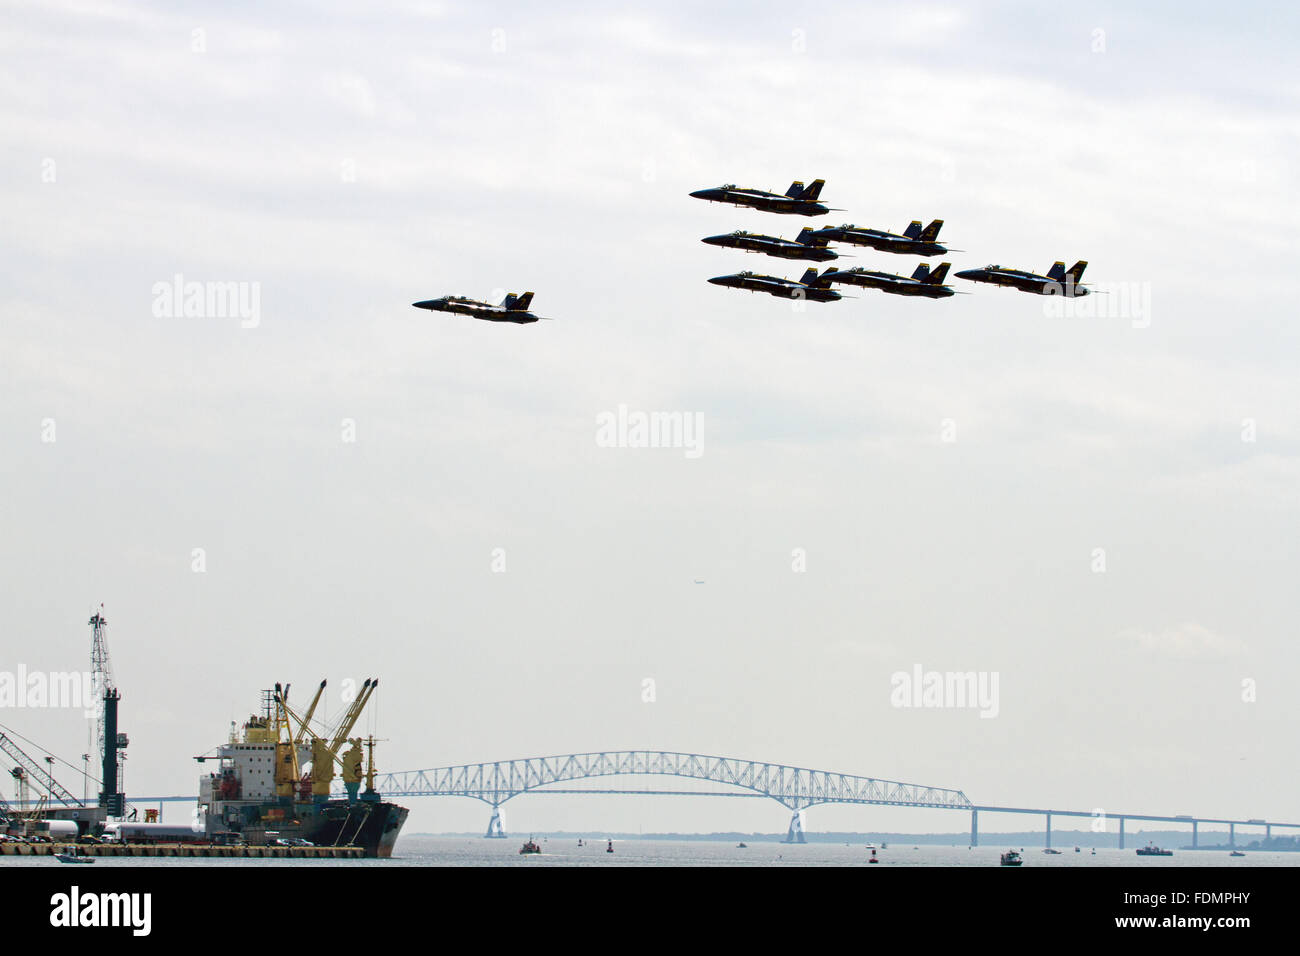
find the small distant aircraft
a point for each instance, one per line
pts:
(914, 241)
(513, 308)
(805, 246)
(923, 282)
(798, 200)
(808, 287)
(1058, 281)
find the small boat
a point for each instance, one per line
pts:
(1010, 858)
(610, 848)
(1150, 850)
(1076, 849)
(1052, 852)
(1094, 851)
(1236, 853)
(74, 857)
(884, 846)
(742, 846)
(870, 846)
(529, 848)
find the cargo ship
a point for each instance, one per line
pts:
(273, 782)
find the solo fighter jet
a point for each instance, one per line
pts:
(513, 308)
(808, 287)
(805, 246)
(1058, 280)
(798, 200)
(914, 241)
(923, 282)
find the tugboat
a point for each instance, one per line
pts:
(530, 847)
(275, 780)
(1010, 858)
(1150, 850)
(742, 846)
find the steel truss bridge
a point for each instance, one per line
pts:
(796, 788)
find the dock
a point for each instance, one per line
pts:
(185, 850)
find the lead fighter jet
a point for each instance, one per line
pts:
(914, 241)
(798, 200)
(513, 308)
(923, 282)
(805, 246)
(1058, 280)
(808, 287)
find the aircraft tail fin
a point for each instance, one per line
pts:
(931, 232)
(809, 277)
(509, 301)
(922, 273)
(807, 238)
(519, 303)
(913, 230)
(813, 191)
(1076, 271)
(795, 190)
(938, 275)
(1057, 272)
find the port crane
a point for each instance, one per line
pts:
(109, 742)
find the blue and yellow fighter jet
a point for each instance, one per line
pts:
(923, 282)
(806, 246)
(808, 287)
(1058, 281)
(513, 308)
(914, 241)
(799, 200)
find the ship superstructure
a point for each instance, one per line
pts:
(274, 779)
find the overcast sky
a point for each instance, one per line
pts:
(948, 468)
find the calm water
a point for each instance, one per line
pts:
(476, 851)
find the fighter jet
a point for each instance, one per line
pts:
(1058, 280)
(513, 308)
(798, 200)
(923, 282)
(914, 241)
(805, 246)
(808, 287)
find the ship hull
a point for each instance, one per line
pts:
(372, 825)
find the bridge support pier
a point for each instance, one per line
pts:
(1194, 823)
(1268, 831)
(974, 828)
(496, 826)
(1232, 834)
(1049, 829)
(795, 833)
(1121, 833)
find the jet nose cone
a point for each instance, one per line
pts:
(719, 280)
(968, 274)
(714, 240)
(704, 194)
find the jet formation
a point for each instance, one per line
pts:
(813, 245)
